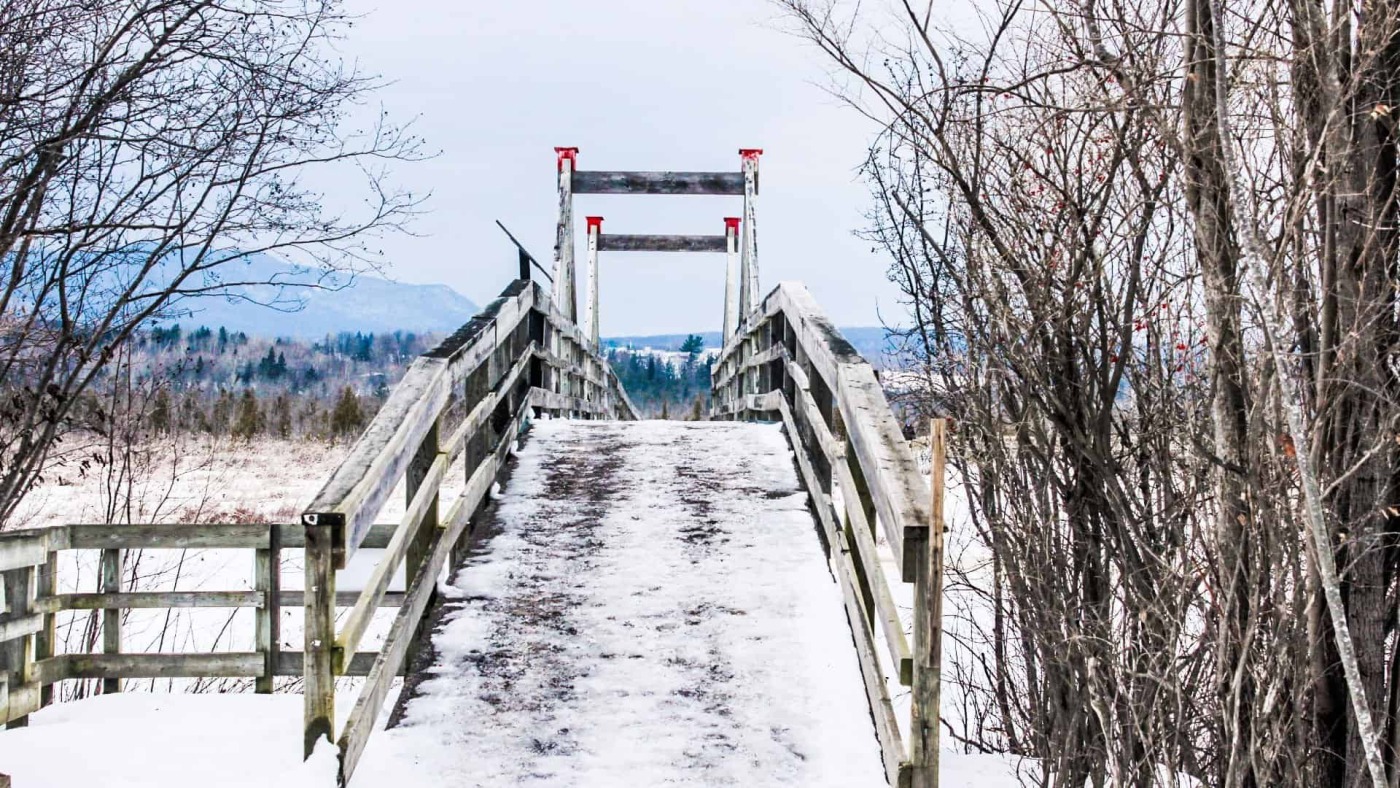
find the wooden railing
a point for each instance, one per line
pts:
(30, 654)
(468, 399)
(789, 364)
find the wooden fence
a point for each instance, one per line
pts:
(789, 364)
(469, 399)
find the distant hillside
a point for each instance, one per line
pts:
(368, 304)
(870, 342)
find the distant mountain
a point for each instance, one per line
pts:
(871, 342)
(367, 303)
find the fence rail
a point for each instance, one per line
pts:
(789, 363)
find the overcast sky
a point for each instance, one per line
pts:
(637, 85)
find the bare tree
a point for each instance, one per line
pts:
(147, 150)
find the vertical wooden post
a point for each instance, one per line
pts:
(748, 248)
(112, 561)
(928, 626)
(267, 579)
(590, 314)
(46, 642)
(564, 236)
(318, 664)
(14, 654)
(731, 279)
(425, 531)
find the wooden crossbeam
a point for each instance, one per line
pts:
(606, 182)
(662, 243)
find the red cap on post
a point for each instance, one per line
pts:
(594, 222)
(731, 223)
(567, 153)
(750, 153)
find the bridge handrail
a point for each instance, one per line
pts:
(789, 363)
(467, 399)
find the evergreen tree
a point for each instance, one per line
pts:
(282, 416)
(249, 421)
(347, 417)
(160, 417)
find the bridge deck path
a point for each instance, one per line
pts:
(649, 605)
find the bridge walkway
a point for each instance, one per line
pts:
(649, 604)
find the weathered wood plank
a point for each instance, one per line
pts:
(613, 182)
(146, 600)
(318, 667)
(662, 243)
(928, 625)
(289, 663)
(114, 667)
(292, 536)
(12, 628)
(111, 584)
(146, 536)
(342, 598)
(21, 701)
(267, 620)
(363, 612)
(46, 641)
(20, 549)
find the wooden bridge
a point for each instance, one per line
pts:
(467, 404)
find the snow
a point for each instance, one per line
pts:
(655, 609)
(142, 740)
(709, 644)
(166, 741)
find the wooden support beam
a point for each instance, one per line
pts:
(318, 684)
(928, 626)
(606, 182)
(112, 560)
(662, 243)
(267, 620)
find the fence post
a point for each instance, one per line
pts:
(928, 625)
(267, 577)
(46, 642)
(318, 665)
(112, 560)
(14, 654)
(420, 545)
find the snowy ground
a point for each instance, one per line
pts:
(733, 631)
(655, 610)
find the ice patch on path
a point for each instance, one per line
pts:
(135, 740)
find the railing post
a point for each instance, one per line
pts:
(46, 642)
(748, 286)
(731, 279)
(267, 579)
(590, 314)
(564, 237)
(318, 666)
(14, 654)
(112, 560)
(425, 531)
(928, 626)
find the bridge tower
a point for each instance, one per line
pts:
(739, 242)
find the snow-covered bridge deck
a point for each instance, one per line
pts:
(650, 605)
